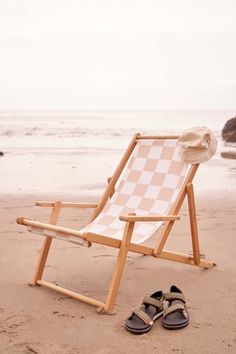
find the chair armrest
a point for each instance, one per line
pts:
(66, 204)
(149, 218)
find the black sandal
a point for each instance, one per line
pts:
(175, 315)
(141, 320)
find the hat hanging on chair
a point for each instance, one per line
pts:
(197, 145)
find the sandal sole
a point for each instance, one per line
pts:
(146, 330)
(175, 326)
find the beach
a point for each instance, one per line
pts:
(37, 320)
(82, 82)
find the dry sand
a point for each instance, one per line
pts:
(37, 320)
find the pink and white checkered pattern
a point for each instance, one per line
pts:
(149, 186)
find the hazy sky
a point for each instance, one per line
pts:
(109, 54)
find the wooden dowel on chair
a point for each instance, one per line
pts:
(193, 223)
(52, 227)
(66, 204)
(154, 137)
(46, 245)
(72, 294)
(149, 218)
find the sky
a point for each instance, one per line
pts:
(117, 54)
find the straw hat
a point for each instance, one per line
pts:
(197, 145)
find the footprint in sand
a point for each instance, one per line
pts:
(38, 348)
(103, 255)
(13, 323)
(60, 314)
(61, 298)
(23, 348)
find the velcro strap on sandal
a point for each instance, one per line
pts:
(143, 316)
(148, 300)
(174, 296)
(175, 308)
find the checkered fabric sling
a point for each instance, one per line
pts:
(149, 186)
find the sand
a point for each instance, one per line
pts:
(37, 320)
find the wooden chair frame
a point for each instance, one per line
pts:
(125, 245)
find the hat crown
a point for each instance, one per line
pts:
(197, 144)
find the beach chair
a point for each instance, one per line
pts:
(145, 193)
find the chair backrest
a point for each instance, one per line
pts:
(149, 185)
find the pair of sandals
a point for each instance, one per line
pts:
(175, 314)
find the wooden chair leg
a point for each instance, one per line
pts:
(193, 223)
(119, 268)
(46, 245)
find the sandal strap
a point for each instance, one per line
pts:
(174, 296)
(143, 316)
(175, 308)
(148, 300)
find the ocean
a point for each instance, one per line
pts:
(93, 131)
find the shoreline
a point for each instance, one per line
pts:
(70, 177)
(87, 172)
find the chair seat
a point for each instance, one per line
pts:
(150, 185)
